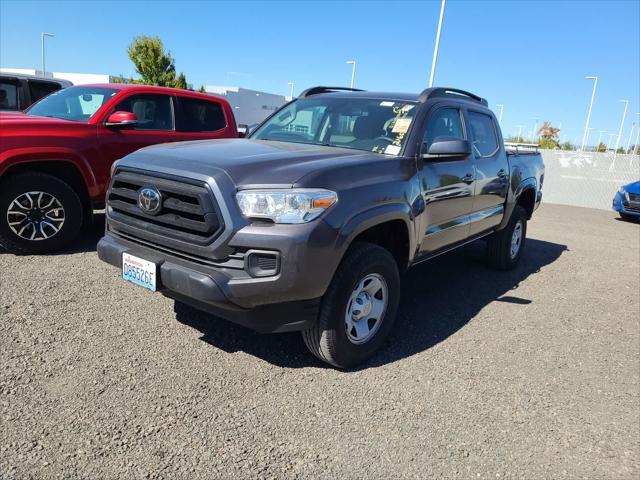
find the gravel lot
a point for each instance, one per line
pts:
(528, 374)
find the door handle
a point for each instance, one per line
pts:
(468, 178)
(502, 173)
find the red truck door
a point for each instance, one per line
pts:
(198, 119)
(156, 124)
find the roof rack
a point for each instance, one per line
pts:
(317, 90)
(450, 92)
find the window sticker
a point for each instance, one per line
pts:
(402, 125)
(387, 104)
(392, 149)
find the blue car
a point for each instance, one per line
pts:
(627, 201)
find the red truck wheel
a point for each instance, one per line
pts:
(39, 213)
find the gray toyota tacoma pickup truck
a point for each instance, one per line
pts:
(308, 224)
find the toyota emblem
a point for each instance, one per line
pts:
(149, 200)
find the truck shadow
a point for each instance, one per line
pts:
(439, 297)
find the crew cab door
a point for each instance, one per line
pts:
(447, 183)
(198, 119)
(155, 125)
(492, 172)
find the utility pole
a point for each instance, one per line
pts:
(353, 70)
(593, 95)
(42, 35)
(615, 152)
(437, 46)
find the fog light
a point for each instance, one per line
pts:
(262, 263)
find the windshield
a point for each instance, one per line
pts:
(369, 124)
(78, 104)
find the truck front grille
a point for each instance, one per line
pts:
(188, 212)
(634, 197)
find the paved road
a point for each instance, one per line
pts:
(528, 374)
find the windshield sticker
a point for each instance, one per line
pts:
(387, 104)
(402, 125)
(392, 149)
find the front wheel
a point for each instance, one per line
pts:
(39, 213)
(358, 309)
(505, 247)
(626, 216)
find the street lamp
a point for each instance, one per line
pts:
(353, 70)
(615, 152)
(519, 131)
(437, 45)
(611, 135)
(292, 85)
(42, 35)
(593, 95)
(535, 129)
(636, 148)
(500, 116)
(633, 125)
(586, 141)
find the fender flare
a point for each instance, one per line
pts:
(512, 199)
(20, 156)
(372, 217)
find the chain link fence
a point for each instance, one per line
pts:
(586, 179)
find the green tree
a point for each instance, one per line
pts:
(154, 66)
(516, 139)
(202, 89)
(568, 146)
(601, 147)
(548, 136)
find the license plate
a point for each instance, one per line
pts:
(139, 271)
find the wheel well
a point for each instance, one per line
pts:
(65, 171)
(393, 236)
(527, 200)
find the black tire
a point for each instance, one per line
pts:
(499, 243)
(16, 185)
(328, 339)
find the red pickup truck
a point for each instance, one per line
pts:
(55, 157)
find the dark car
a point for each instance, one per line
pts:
(18, 91)
(308, 223)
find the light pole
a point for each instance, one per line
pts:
(353, 70)
(292, 85)
(633, 125)
(615, 152)
(586, 141)
(611, 135)
(535, 129)
(437, 45)
(500, 116)
(519, 131)
(593, 95)
(42, 35)
(636, 148)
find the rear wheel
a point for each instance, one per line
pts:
(626, 216)
(39, 213)
(505, 247)
(358, 309)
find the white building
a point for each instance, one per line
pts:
(249, 106)
(75, 78)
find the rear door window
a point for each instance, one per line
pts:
(39, 90)
(9, 96)
(485, 139)
(154, 112)
(200, 116)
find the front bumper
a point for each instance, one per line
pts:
(286, 301)
(623, 205)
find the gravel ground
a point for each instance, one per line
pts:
(527, 374)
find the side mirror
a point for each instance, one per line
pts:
(448, 147)
(245, 130)
(121, 119)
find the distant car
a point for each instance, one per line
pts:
(627, 201)
(55, 158)
(18, 92)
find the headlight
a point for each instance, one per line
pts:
(285, 206)
(621, 190)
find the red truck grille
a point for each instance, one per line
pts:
(186, 212)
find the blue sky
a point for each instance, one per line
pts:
(530, 56)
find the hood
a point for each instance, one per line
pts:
(23, 119)
(633, 187)
(248, 162)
